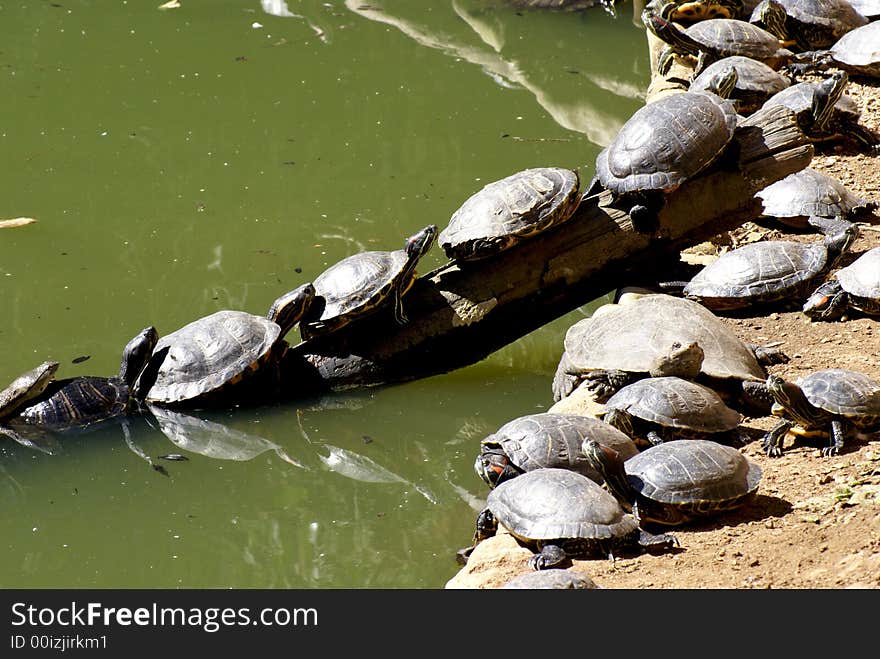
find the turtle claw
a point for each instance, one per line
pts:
(549, 556)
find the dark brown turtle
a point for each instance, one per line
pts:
(755, 81)
(562, 514)
(506, 212)
(678, 482)
(857, 286)
(836, 402)
(363, 283)
(545, 439)
(809, 24)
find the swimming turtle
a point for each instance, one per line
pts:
(663, 144)
(809, 24)
(755, 81)
(836, 402)
(677, 482)
(856, 286)
(812, 199)
(510, 210)
(825, 113)
(202, 361)
(657, 410)
(25, 387)
(363, 283)
(714, 39)
(562, 514)
(765, 272)
(612, 349)
(75, 404)
(552, 578)
(545, 440)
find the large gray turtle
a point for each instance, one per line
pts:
(611, 350)
(545, 439)
(810, 199)
(765, 272)
(678, 482)
(562, 514)
(837, 402)
(205, 360)
(552, 578)
(857, 286)
(505, 212)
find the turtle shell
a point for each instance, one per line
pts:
(547, 439)
(555, 504)
(26, 386)
(870, 9)
(810, 192)
(858, 51)
(211, 352)
(861, 278)
(554, 578)
(666, 142)
(507, 211)
(697, 474)
(843, 392)
(630, 337)
(729, 36)
(755, 82)
(799, 99)
(673, 402)
(764, 271)
(820, 23)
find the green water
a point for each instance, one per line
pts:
(213, 156)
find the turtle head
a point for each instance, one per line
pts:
(609, 463)
(790, 401)
(289, 309)
(724, 82)
(771, 16)
(827, 302)
(840, 242)
(494, 467)
(825, 97)
(684, 360)
(137, 354)
(418, 244)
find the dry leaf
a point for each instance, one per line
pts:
(16, 222)
(171, 4)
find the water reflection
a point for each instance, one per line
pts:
(486, 35)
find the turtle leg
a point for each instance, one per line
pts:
(604, 384)
(656, 541)
(768, 355)
(836, 437)
(655, 437)
(773, 439)
(549, 556)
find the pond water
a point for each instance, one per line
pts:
(213, 156)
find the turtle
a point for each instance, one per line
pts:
(79, 403)
(552, 578)
(767, 272)
(856, 286)
(363, 283)
(610, 350)
(808, 24)
(677, 482)
(810, 199)
(825, 113)
(201, 363)
(755, 81)
(545, 439)
(836, 401)
(714, 39)
(688, 12)
(505, 212)
(657, 410)
(560, 514)
(663, 144)
(26, 386)
(858, 51)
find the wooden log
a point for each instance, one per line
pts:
(459, 314)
